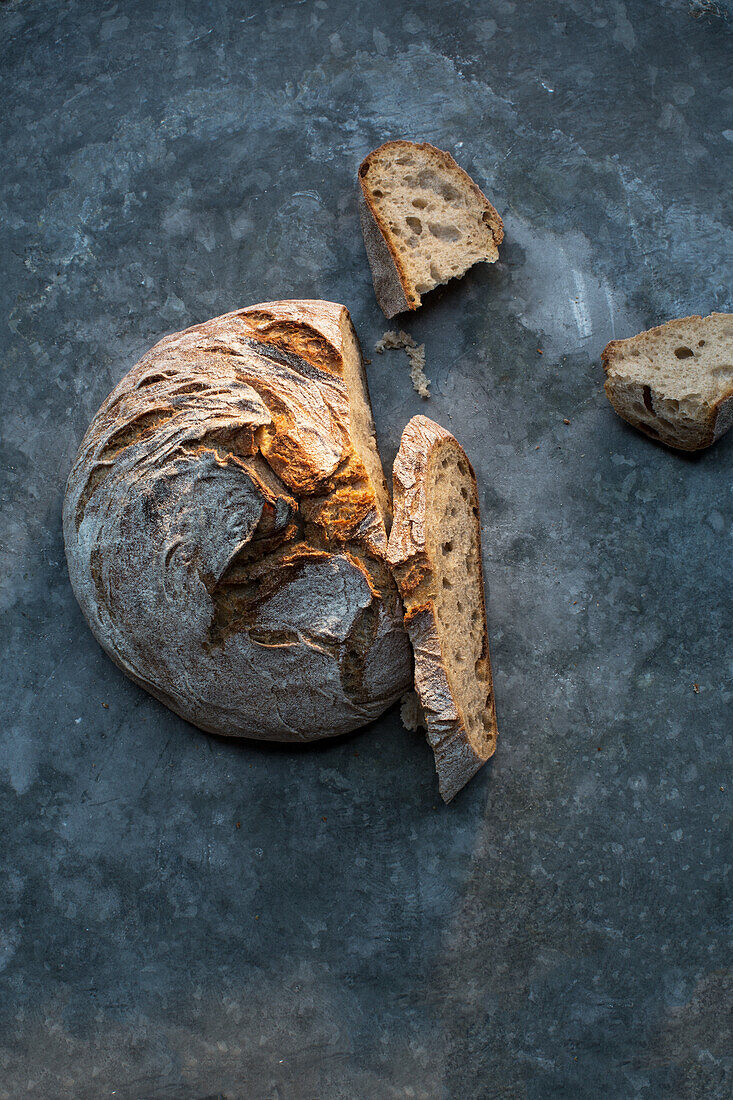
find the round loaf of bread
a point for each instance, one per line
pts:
(226, 528)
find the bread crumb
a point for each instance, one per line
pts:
(392, 339)
(415, 353)
(566, 421)
(411, 713)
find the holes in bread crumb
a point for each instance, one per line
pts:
(447, 548)
(701, 343)
(446, 583)
(419, 204)
(443, 232)
(404, 160)
(377, 194)
(435, 273)
(464, 492)
(415, 225)
(683, 353)
(647, 395)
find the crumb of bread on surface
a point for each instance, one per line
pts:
(392, 340)
(411, 713)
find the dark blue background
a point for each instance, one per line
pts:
(183, 917)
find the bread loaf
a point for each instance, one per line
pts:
(435, 551)
(675, 382)
(225, 526)
(424, 222)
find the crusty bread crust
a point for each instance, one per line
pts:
(391, 282)
(456, 758)
(643, 405)
(224, 539)
(387, 271)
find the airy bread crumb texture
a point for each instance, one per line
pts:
(415, 353)
(675, 382)
(431, 213)
(454, 550)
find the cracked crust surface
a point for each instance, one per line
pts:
(675, 382)
(424, 222)
(435, 552)
(225, 524)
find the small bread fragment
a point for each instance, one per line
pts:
(415, 353)
(424, 222)
(411, 713)
(675, 382)
(435, 553)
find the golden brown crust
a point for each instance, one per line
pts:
(223, 535)
(392, 287)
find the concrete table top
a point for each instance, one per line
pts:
(185, 917)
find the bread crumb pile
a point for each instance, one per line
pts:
(415, 353)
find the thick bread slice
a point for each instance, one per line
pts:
(675, 382)
(226, 528)
(424, 222)
(435, 552)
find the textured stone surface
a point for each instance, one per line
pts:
(183, 917)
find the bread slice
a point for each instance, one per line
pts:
(424, 222)
(675, 382)
(435, 553)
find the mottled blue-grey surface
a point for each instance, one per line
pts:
(182, 917)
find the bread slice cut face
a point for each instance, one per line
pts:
(424, 222)
(435, 553)
(675, 382)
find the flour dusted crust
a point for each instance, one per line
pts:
(224, 538)
(458, 753)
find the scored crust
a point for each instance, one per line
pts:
(225, 528)
(674, 382)
(393, 286)
(460, 748)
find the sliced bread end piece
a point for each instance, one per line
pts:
(435, 553)
(675, 382)
(424, 222)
